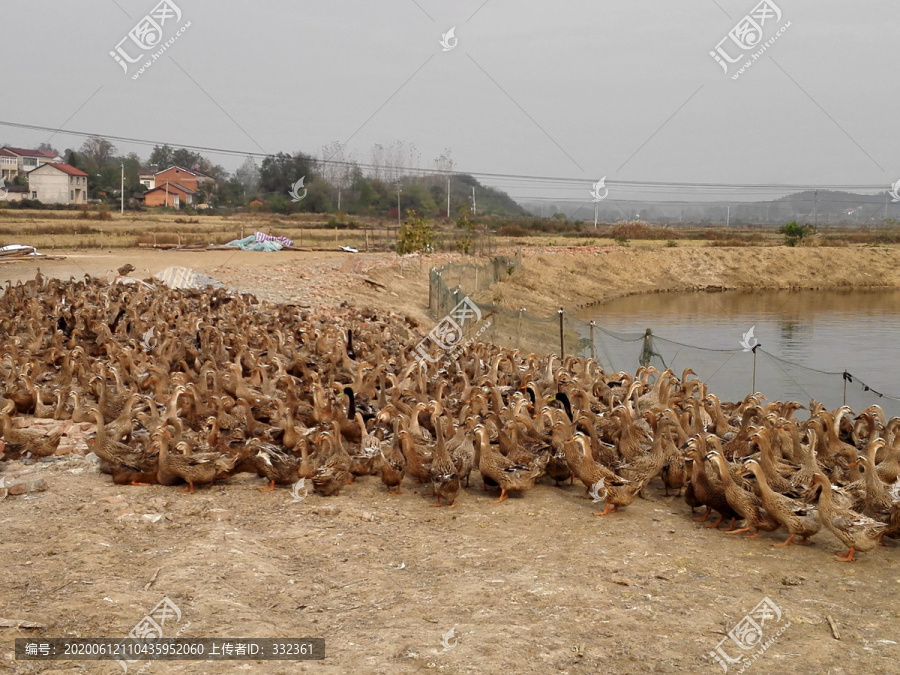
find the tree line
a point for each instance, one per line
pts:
(335, 181)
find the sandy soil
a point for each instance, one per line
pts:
(533, 585)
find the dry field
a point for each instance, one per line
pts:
(533, 585)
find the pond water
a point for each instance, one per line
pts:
(807, 339)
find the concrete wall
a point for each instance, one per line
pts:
(55, 187)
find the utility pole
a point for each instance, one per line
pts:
(398, 203)
(339, 198)
(728, 217)
(817, 208)
(474, 213)
(122, 189)
(448, 197)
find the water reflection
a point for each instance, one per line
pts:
(827, 331)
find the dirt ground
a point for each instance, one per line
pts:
(533, 585)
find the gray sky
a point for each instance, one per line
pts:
(579, 89)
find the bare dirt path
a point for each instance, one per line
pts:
(534, 585)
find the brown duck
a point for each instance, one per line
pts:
(19, 442)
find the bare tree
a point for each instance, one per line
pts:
(248, 175)
(49, 148)
(336, 167)
(444, 162)
(378, 162)
(97, 152)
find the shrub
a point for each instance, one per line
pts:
(794, 233)
(103, 213)
(637, 229)
(416, 234)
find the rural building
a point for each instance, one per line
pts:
(9, 164)
(186, 178)
(148, 178)
(15, 161)
(172, 195)
(58, 184)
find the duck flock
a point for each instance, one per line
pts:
(191, 387)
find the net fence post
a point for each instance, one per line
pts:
(593, 356)
(431, 292)
(519, 328)
(647, 350)
(494, 317)
(753, 390)
(562, 339)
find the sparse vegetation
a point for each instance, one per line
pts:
(102, 213)
(416, 235)
(466, 239)
(637, 229)
(794, 233)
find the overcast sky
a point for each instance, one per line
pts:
(576, 89)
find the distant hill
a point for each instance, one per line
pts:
(828, 206)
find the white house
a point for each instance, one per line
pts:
(58, 184)
(14, 161)
(9, 165)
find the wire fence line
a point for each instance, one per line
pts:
(730, 373)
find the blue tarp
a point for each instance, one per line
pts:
(250, 244)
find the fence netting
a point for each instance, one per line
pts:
(729, 373)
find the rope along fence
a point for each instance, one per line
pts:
(730, 373)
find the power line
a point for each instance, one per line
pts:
(557, 181)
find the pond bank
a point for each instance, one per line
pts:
(574, 280)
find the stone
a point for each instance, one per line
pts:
(30, 485)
